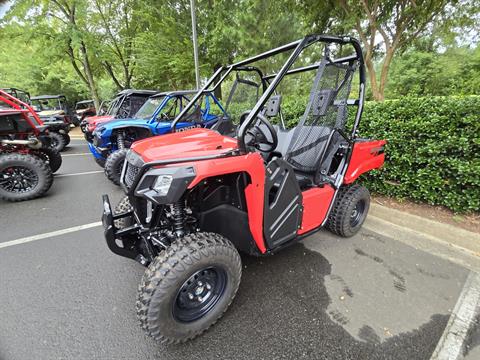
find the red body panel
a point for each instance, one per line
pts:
(22, 108)
(366, 156)
(316, 202)
(252, 164)
(184, 144)
(200, 142)
(94, 121)
(203, 142)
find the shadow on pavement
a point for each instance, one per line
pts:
(280, 313)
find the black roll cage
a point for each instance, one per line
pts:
(297, 47)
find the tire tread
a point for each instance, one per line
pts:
(339, 217)
(111, 163)
(42, 166)
(170, 264)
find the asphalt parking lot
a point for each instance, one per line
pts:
(67, 297)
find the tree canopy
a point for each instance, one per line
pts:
(92, 48)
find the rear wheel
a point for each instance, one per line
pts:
(58, 141)
(188, 287)
(67, 139)
(114, 165)
(51, 156)
(23, 177)
(349, 211)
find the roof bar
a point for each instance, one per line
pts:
(312, 67)
(269, 53)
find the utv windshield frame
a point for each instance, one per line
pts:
(61, 103)
(273, 80)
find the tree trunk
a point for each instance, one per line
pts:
(384, 74)
(89, 76)
(372, 74)
(109, 69)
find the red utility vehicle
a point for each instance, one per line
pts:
(196, 198)
(27, 160)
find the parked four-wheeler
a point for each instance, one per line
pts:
(27, 161)
(125, 105)
(83, 109)
(112, 140)
(196, 198)
(54, 111)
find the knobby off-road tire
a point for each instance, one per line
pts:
(349, 210)
(123, 206)
(67, 138)
(58, 141)
(30, 164)
(51, 156)
(114, 165)
(100, 162)
(164, 282)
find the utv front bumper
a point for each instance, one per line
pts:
(114, 236)
(97, 152)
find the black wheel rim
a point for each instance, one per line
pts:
(199, 294)
(18, 179)
(356, 215)
(54, 142)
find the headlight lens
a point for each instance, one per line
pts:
(162, 184)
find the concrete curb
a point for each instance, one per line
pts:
(453, 235)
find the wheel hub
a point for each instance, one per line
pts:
(199, 294)
(357, 213)
(18, 179)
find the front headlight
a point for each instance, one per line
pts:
(162, 184)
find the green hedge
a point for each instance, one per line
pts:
(433, 150)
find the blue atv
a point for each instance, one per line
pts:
(112, 140)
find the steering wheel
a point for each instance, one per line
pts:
(255, 136)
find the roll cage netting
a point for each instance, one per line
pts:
(325, 113)
(328, 100)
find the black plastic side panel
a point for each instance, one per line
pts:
(232, 223)
(283, 204)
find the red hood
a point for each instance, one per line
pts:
(95, 120)
(185, 144)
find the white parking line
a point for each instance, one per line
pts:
(450, 345)
(81, 173)
(49, 234)
(78, 154)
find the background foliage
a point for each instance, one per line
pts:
(433, 148)
(92, 48)
(422, 57)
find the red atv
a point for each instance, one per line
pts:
(27, 160)
(197, 198)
